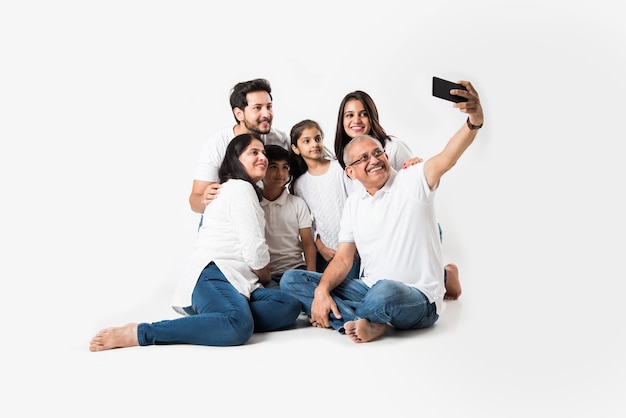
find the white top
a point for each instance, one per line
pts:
(325, 195)
(396, 233)
(233, 236)
(214, 149)
(284, 217)
(398, 152)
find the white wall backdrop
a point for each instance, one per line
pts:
(104, 106)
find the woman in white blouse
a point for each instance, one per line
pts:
(220, 292)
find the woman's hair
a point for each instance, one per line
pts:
(377, 131)
(231, 167)
(278, 153)
(297, 165)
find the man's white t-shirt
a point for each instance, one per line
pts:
(396, 233)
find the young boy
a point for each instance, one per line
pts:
(287, 219)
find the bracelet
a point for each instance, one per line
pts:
(473, 127)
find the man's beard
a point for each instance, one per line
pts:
(256, 129)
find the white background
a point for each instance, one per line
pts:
(104, 106)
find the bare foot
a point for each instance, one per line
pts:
(116, 337)
(453, 284)
(362, 330)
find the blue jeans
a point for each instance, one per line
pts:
(388, 301)
(221, 316)
(275, 281)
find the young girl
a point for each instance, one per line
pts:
(221, 292)
(287, 219)
(321, 182)
(358, 115)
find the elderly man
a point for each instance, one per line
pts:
(402, 282)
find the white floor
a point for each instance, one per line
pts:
(480, 359)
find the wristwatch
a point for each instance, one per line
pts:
(473, 127)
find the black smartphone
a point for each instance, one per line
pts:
(441, 89)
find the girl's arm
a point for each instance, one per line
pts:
(327, 253)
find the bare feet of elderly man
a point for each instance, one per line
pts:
(115, 337)
(362, 330)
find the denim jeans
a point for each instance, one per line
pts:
(275, 281)
(221, 316)
(388, 301)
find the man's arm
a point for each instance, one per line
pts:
(436, 166)
(333, 275)
(202, 193)
(209, 161)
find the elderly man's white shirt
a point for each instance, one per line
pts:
(396, 233)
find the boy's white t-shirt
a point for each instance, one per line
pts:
(284, 217)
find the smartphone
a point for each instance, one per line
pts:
(441, 89)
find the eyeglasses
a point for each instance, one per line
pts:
(366, 157)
